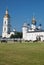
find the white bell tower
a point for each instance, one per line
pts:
(6, 25)
(24, 31)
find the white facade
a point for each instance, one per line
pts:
(24, 29)
(6, 25)
(6, 32)
(33, 33)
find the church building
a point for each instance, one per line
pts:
(6, 26)
(32, 32)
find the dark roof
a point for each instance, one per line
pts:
(35, 31)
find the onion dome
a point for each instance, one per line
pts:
(33, 20)
(6, 14)
(25, 25)
(39, 27)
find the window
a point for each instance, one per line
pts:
(5, 22)
(4, 29)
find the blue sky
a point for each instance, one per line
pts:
(22, 11)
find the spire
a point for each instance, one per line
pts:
(6, 14)
(33, 20)
(6, 11)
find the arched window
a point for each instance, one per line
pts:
(5, 22)
(4, 29)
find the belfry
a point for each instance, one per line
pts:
(6, 25)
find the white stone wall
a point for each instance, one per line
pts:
(32, 36)
(24, 30)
